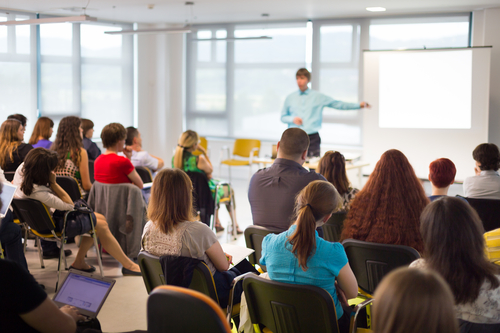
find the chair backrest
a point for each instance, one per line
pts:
(151, 270)
(203, 281)
(332, 229)
(488, 210)
(243, 147)
(370, 262)
(176, 309)
(203, 200)
(203, 143)
(145, 174)
(70, 185)
(91, 171)
(289, 308)
(469, 327)
(254, 235)
(9, 175)
(35, 214)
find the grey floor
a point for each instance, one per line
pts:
(125, 308)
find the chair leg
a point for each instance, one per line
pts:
(61, 258)
(1, 251)
(229, 170)
(25, 245)
(98, 253)
(40, 255)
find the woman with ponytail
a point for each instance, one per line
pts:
(300, 256)
(186, 161)
(332, 167)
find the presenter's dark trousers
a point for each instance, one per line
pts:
(314, 144)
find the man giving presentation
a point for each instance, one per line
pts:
(304, 109)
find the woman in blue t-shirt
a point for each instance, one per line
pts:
(300, 256)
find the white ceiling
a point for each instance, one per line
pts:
(210, 11)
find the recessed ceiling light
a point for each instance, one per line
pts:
(375, 9)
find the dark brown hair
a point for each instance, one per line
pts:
(132, 133)
(294, 141)
(42, 129)
(488, 155)
(9, 141)
(387, 210)
(19, 117)
(431, 309)
(454, 247)
(317, 200)
(112, 133)
(68, 140)
(304, 72)
(38, 165)
(87, 125)
(332, 167)
(171, 199)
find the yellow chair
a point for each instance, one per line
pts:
(204, 144)
(246, 150)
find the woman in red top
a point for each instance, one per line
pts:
(109, 168)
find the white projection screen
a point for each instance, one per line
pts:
(428, 104)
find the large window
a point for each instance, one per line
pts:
(236, 88)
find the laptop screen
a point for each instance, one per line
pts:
(84, 292)
(8, 191)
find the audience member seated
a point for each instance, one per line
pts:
(441, 175)
(454, 247)
(141, 157)
(388, 208)
(41, 133)
(25, 306)
(272, 190)
(332, 167)
(413, 301)
(73, 159)
(172, 230)
(88, 132)
(12, 149)
(10, 235)
(110, 168)
(486, 183)
(185, 160)
(300, 256)
(32, 178)
(19, 117)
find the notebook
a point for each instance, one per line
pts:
(86, 291)
(238, 252)
(8, 191)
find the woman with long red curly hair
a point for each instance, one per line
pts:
(387, 210)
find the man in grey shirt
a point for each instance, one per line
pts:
(273, 190)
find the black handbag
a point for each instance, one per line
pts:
(78, 222)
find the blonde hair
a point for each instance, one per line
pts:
(411, 300)
(9, 141)
(187, 140)
(171, 200)
(317, 200)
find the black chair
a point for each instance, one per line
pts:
(145, 174)
(9, 175)
(370, 262)
(203, 200)
(254, 235)
(289, 308)
(488, 210)
(332, 229)
(36, 215)
(91, 171)
(468, 327)
(70, 185)
(151, 270)
(176, 309)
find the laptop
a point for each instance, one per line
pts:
(86, 291)
(7, 195)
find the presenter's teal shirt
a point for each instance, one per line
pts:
(308, 106)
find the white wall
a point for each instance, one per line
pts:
(161, 88)
(486, 27)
